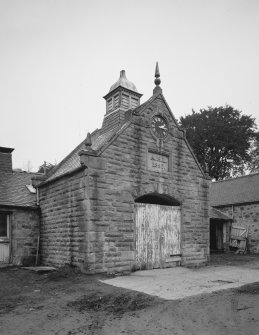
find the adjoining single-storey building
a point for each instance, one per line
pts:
(239, 199)
(220, 229)
(130, 196)
(19, 214)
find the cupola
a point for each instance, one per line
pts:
(123, 95)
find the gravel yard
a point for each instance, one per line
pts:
(68, 302)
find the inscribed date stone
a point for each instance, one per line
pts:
(157, 162)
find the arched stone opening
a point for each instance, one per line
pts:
(157, 199)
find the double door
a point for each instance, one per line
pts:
(158, 235)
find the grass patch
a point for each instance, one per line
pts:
(119, 303)
(249, 288)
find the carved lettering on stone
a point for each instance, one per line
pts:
(157, 162)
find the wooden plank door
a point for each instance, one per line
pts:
(157, 234)
(4, 252)
(238, 237)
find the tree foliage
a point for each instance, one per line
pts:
(221, 139)
(253, 165)
(46, 168)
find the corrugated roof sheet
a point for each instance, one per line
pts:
(216, 214)
(13, 190)
(235, 191)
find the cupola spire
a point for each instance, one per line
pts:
(123, 96)
(157, 81)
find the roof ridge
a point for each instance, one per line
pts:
(112, 134)
(69, 155)
(64, 160)
(235, 178)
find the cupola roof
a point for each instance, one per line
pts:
(123, 82)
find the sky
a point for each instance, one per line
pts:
(58, 58)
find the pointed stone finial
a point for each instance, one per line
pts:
(88, 141)
(157, 75)
(88, 151)
(157, 81)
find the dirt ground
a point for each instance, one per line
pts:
(68, 302)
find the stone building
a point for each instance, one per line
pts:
(131, 196)
(19, 214)
(239, 199)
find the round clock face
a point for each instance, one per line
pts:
(159, 126)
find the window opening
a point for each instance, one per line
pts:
(109, 105)
(134, 102)
(125, 100)
(4, 225)
(116, 101)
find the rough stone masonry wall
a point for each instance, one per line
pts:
(246, 215)
(111, 246)
(62, 212)
(24, 236)
(88, 219)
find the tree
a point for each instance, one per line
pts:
(46, 168)
(221, 139)
(253, 165)
(28, 167)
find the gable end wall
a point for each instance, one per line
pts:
(88, 219)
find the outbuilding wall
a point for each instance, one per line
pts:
(62, 213)
(24, 232)
(247, 216)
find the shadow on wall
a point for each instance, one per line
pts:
(158, 199)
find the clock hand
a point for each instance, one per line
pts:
(162, 127)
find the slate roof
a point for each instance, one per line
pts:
(216, 214)
(235, 191)
(13, 190)
(100, 141)
(72, 161)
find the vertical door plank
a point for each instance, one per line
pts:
(157, 234)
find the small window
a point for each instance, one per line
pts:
(125, 100)
(109, 105)
(4, 225)
(134, 102)
(116, 101)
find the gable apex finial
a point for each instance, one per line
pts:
(157, 81)
(157, 73)
(88, 141)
